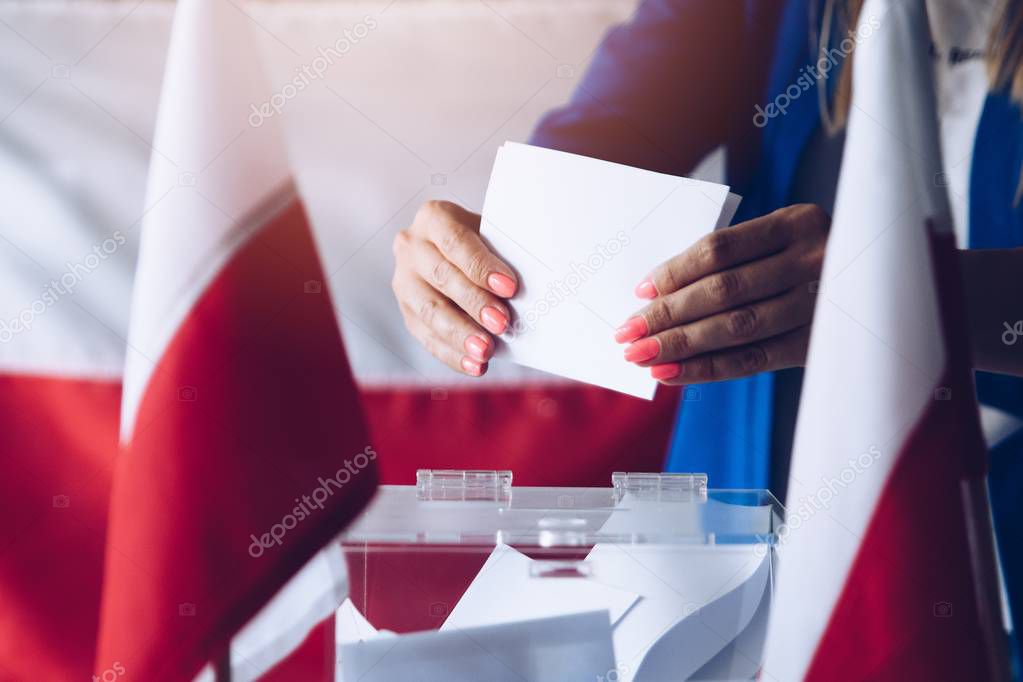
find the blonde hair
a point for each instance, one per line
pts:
(1004, 59)
(1005, 50)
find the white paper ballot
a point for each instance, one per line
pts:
(574, 648)
(581, 234)
(742, 658)
(352, 626)
(650, 518)
(505, 590)
(675, 583)
(695, 640)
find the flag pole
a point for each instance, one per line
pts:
(980, 535)
(222, 667)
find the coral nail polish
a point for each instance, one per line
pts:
(634, 328)
(472, 367)
(643, 350)
(494, 320)
(478, 347)
(646, 289)
(666, 372)
(502, 285)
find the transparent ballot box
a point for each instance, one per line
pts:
(465, 577)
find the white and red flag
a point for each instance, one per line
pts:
(244, 449)
(886, 568)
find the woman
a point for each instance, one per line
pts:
(684, 77)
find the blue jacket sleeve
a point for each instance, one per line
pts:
(670, 85)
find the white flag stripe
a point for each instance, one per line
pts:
(228, 181)
(221, 175)
(876, 353)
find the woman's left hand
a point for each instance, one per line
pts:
(738, 302)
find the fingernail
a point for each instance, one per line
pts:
(502, 285)
(665, 372)
(646, 289)
(478, 347)
(641, 351)
(634, 328)
(494, 320)
(472, 367)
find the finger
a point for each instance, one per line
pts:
(443, 351)
(720, 250)
(450, 324)
(779, 352)
(482, 306)
(455, 233)
(736, 327)
(720, 292)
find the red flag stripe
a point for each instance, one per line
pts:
(547, 435)
(922, 535)
(251, 407)
(60, 441)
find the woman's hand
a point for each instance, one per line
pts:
(450, 286)
(738, 302)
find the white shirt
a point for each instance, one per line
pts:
(959, 30)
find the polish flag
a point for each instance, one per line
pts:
(886, 568)
(62, 363)
(243, 446)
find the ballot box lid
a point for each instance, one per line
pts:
(465, 577)
(482, 508)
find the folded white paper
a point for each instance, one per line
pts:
(352, 626)
(744, 655)
(677, 583)
(581, 234)
(635, 517)
(507, 589)
(696, 639)
(574, 648)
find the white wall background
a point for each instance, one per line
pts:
(415, 109)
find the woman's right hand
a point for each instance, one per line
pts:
(450, 286)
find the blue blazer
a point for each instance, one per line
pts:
(682, 78)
